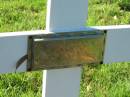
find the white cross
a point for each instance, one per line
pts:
(63, 16)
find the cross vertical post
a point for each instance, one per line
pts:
(64, 16)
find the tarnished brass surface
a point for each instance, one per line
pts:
(65, 50)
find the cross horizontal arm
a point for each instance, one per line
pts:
(14, 45)
(38, 32)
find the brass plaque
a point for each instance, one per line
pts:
(64, 50)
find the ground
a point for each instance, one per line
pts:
(111, 80)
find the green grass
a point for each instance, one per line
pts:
(21, 85)
(97, 80)
(106, 81)
(108, 12)
(18, 15)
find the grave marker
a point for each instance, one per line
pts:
(63, 47)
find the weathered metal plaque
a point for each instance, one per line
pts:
(63, 50)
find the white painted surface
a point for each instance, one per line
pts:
(11, 50)
(111, 27)
(37, 32)
(14, 45)
(117, 47)
(66, 14)
(23, 33)
(62, 82)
